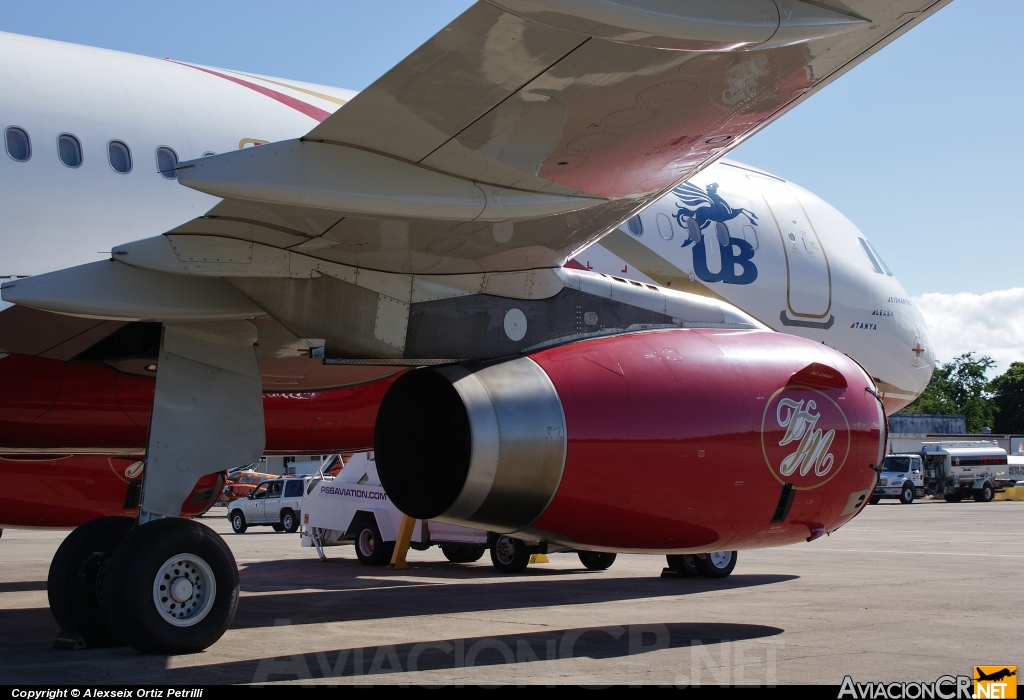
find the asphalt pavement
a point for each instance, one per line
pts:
(902, 593)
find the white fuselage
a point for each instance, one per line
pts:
(786, 257)
(821, 283)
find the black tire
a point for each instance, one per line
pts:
(147, 559)
(953, 497)
(277, 527)
(71, 583)
(289, 523)
(716, 564)
(371, 549)
(683, 564)
(458, 553)
(985, 494)
(509, 555)
(907, 494)
(875, 500)
(238, 523)
(597, 561)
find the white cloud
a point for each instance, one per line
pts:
(988, 324)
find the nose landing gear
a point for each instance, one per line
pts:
(710, 565)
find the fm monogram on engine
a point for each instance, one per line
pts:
(812, 452)
(805, 437)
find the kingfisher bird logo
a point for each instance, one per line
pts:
(706, 206)
(805, 437)
(697, 209)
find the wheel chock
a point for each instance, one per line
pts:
(402, 544)
(672, 573)
(68, 641)
(539, 559)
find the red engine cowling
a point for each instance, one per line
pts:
(659, 441)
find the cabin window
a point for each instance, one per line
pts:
(120, 156)
(167, 162)
(19, 147)
(208, 154)
(664, 226)
(69, 149)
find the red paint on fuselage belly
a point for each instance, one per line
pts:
(48, 405)
(69, 491)
(63, 492)
(634, 476)
(340, 420)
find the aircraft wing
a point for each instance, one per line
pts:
(518, 135)
(525, 130)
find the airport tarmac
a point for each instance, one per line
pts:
(902, 593)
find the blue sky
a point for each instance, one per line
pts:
(920, 146)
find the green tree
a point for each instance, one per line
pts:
(960, 387)
(1008, 396)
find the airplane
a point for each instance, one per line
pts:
(424, 226)
(995, 675)
(72, 490)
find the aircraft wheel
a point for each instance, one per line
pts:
(71, 583)
(716, 564)
(289, 523)
(371, 549)
(907, 494)
(462, 553)
(509, 555)
(875, 500)
(597, 561)
(238, 523)
(953, 498)
(171, 587)
(683, 564)
(985, 494)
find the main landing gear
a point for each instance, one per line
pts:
(169, 586)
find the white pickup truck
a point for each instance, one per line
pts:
(275, 502)
(901, 477)
(352, 508)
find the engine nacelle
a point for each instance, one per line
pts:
(658, 441)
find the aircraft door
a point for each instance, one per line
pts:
(808, 277)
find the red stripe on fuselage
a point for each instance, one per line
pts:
(298, 105)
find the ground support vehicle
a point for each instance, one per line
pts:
(275, 502)
(353, 508)
(958, 470)
(902, 477)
